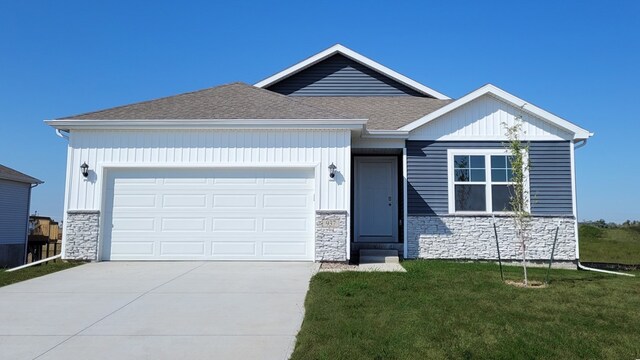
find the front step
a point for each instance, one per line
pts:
(357, 246)
(377, 256)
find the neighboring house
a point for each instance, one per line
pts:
(331, 155)
(43, 239)
(15, 196)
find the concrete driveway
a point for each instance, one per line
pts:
(156, 310)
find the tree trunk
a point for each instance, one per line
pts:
(524, 258)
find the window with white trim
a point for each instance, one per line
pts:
(480, 181)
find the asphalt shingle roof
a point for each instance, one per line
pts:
(231, 101)
(242, 101)
(7, 173)
(383, 112)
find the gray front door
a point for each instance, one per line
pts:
(376, 199)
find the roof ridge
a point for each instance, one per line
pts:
(155, 99)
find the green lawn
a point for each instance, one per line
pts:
(7, 278)
(462, 311)
(613, 245)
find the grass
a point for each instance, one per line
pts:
(612, 245)
(454, 310)
(7, 278)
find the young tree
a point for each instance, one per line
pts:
(519, 196)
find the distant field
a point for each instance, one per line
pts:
(613, 245)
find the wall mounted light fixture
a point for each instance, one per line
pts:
(332, 170)
(85, 169)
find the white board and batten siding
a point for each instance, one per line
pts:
(275, 169)
(483, 119)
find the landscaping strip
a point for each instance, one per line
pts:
(7, 278)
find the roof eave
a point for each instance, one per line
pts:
(27, 180)
(89, 124)
(386, 134)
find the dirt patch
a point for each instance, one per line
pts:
(337, 267)
(530, 285)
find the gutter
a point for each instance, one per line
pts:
(386, 134)
(73, 124)
(582, 143)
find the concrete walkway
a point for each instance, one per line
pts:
(156, 310)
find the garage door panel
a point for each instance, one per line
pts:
(287, 201)
(184, 200)
(134, 180)
(217, 214)
(134, 201)
(184, 181)
(230, 200)
(132, 247)
(235, 225)
(284, 248)
(234, 248)
(183, 224)
(182, 248)
(234, 180)
(144, 224)
(285, 224)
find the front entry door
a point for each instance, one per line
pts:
(376, 199)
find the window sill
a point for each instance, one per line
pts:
(481, 213)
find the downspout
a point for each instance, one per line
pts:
(26, 240)
(65, 135)
(580, 266)
(62, 135)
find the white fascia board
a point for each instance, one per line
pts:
(489, 89)
(335, 49)
(386, 134)
(351, 124)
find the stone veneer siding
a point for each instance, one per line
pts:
(331, 235)
(81, 235)
(472, 237)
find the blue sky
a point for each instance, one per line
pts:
(577, 59)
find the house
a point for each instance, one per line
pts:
(44, 237)
(15, 197)
(334, 154)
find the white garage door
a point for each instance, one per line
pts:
(221, 214)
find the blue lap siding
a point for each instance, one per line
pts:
(14, 212)
(549, 175)
(340, 76)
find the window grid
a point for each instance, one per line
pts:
(498, 172)
(470, 173)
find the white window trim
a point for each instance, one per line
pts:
(488, 192)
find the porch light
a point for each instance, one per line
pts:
(332, 170)
(85, 169)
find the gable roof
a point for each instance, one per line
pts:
(338, 75)
(578, 132)
(339, 49)
(231, 101)
(7, 173)
(383, 112)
